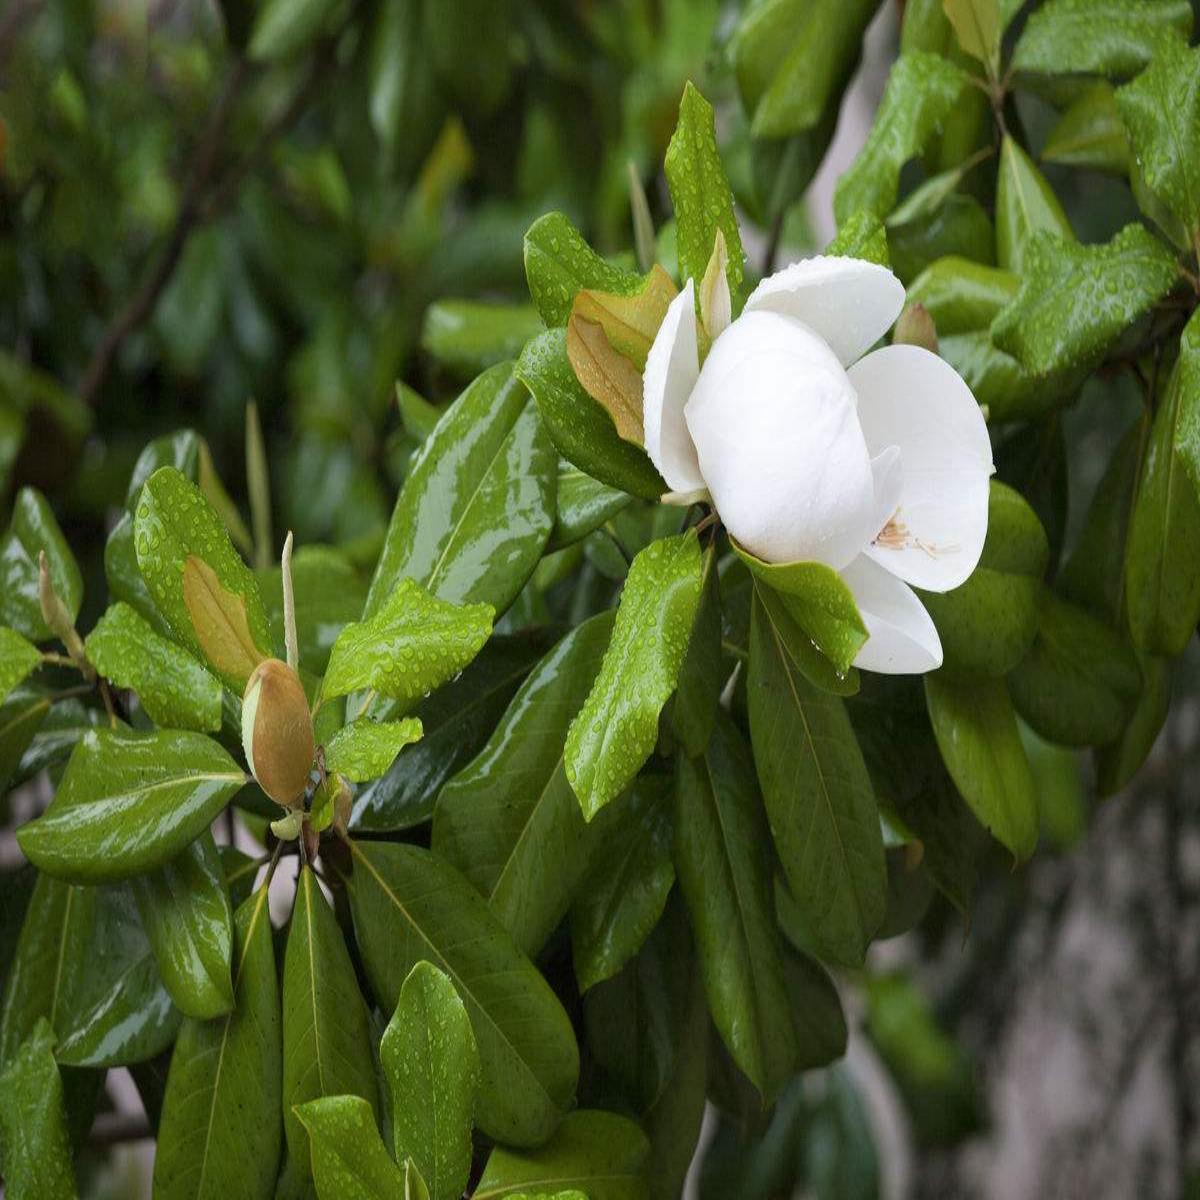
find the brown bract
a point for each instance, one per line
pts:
(277, 731)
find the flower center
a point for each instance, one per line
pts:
(895, 536)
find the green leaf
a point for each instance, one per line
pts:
(934, 223)
(1162, 562)
(18, 658)
(626, 887)
(977, 26)
(579, 427)
(174, 522)
(816, 1011)
(1161, 109)
(721, 857)
(349, 1161)
(406, 106)
(617, 727)
(861, 235)
(921, 92)
(431, 1065)
(599, 1153)
(818, 797)
(976, 732)
(457, 720)
(1118, 762)
(175, 689)
(21, 716)
(997, 380)
(804, 655)
(184, 908)
(409, 905)
(1187, 419)
(365, 749)
(283, 28)
(1079, 683)
(477, 505)
(468, 44)
(584, 504)
(326, 1033)
(1090, 133)
(962, 296)
(33, 1123)
(1114, 38)
(702, 674)
(129, 802)
(509, 820)
(700, 192)
(1075, 301)
(225, 1080)
(559, 263)
(1025, 204)
(468, 336)
(32, 530)
(412, 643)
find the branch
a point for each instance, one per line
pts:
(111, 1129)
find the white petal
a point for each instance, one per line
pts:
(910, 398)
(902, 639)
(774, 424)
(849, 302)
(672, 369)
(887, 474)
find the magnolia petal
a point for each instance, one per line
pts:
(901, 638)
(672, 369)
(849, 302)
(887, 474)
(910, 398)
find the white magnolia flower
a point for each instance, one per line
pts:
(813, 450)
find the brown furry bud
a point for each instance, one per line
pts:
(277, 731)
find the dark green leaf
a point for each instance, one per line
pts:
(702, 674)
(584, 504)
(32, 530)
(1118, 762)
(1090, 133)
(21, 715)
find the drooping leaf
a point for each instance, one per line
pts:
(431, 1064)
(1091, 133)
(365, 749)
(818, 796)
(226, 1080)
(1025, 204)
(477, 505)
(349, 1161)
(615, 730)
(175, 689)
(32, 531)
(128, 803)
(18, 658)
(509, 820)
(409, 905)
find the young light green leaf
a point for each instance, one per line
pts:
(724, 876)
(617, 727)
(976, 24)
(700, 192)
(976, 732)
(819, 799)
(184, 908)
(175, 689)
(468, 336)
(1091, 133)
(128, 803)
(431, 1064)
(365, 749)
(18, 658)
(509, 820)
(225, 1080)
(412, 643)
(477, 505)
(32, 531)
(921, 92)
(1025, 204)
(409, 905)
(349, 1160)
(599, 1153)
(861, 235)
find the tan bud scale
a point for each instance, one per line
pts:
(277, 731)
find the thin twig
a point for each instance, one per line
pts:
(112, 1129)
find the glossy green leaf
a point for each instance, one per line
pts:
(509, 820)
(599, 1153)
(478, 503)
(617, 727)
(724, 874)
(998, 381)
(1025, 205)
(349, 1161)
(921, 92)
(962, 296)
(129, 802)
(409, 905)
(702, 674)
(584, 504)
(467, 336)
(33, 1123)
(1090, 133)
(1161, 109)
(282, 28)
(1118, 762)
(1187, 418)
(1075, 301)
(976, 732)
(626, 887)
(861, 235)
(405, 101)
(1114, 38)
(431, 1064)
(818, 796)
(581, 430)
(21, 715)
(957, 225)
(365, 749)
(174, 688)
(412, 643)
(559, 263)
(977, 25)
(184, 908)
(18, 658)
(31, 531)
(225, 1079)
(174, 522)
(326, 1035)
(124, 578)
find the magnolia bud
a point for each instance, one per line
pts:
(277, 731)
